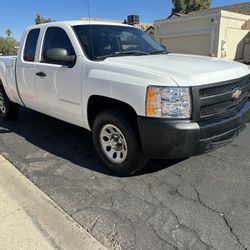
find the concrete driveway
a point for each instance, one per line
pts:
(199, 203)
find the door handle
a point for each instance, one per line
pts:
(42, 74)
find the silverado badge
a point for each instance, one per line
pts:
(237, 93)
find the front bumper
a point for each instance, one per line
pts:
(166, 139)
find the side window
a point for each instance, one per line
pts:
(57, 38)
(30, 46)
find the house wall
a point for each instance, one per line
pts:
(150, 31)
(191, 35)
(231, 36)
(218, 33)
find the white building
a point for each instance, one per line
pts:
(214, 31)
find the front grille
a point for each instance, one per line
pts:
(210, 91)
(221, 98)
(221, 107)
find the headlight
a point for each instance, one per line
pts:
(168, 102)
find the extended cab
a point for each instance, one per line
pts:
(138, 100)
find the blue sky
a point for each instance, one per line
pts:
(17, 15)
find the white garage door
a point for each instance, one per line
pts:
(193, 44)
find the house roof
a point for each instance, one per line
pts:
(241, 8)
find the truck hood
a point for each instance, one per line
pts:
(184, 70)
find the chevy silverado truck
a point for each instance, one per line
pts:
(139, 101)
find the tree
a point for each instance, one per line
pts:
(40, 19)
(8, 45)
(186, 6)
(8, 32)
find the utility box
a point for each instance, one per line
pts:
(133, 19)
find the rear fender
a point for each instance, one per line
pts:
(2, 74)
(10, 92)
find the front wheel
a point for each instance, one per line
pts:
(117, 144)
(8, 109)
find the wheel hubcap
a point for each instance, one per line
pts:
(2, 104)
(113, 144)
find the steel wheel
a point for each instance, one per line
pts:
(117, 143)
(113, 144)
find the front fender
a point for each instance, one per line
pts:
(124, 83)
(122, 87)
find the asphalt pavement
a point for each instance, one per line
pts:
(198, 203)
(30, 220)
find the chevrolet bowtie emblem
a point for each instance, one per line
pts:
(237, 93)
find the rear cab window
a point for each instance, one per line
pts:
(30, 45)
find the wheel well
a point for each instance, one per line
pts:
(98, 104)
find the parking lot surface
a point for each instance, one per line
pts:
(198, 203)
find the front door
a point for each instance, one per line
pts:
(59, 87)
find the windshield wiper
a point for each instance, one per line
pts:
(132, 52)
(124, 53)
(159, 52)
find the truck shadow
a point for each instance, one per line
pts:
(65, 141)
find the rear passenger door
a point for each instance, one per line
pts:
(25, 69)
(59, 87)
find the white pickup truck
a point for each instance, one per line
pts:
(139, 101)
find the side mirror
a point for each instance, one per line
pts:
(58, 56)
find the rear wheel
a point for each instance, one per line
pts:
(117, 143)
(8, 109)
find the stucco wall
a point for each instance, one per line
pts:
(222, 31)
(232, 37)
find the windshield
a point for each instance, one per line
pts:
(109, 41)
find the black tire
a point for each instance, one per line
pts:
(135, 159)
(9, 110)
